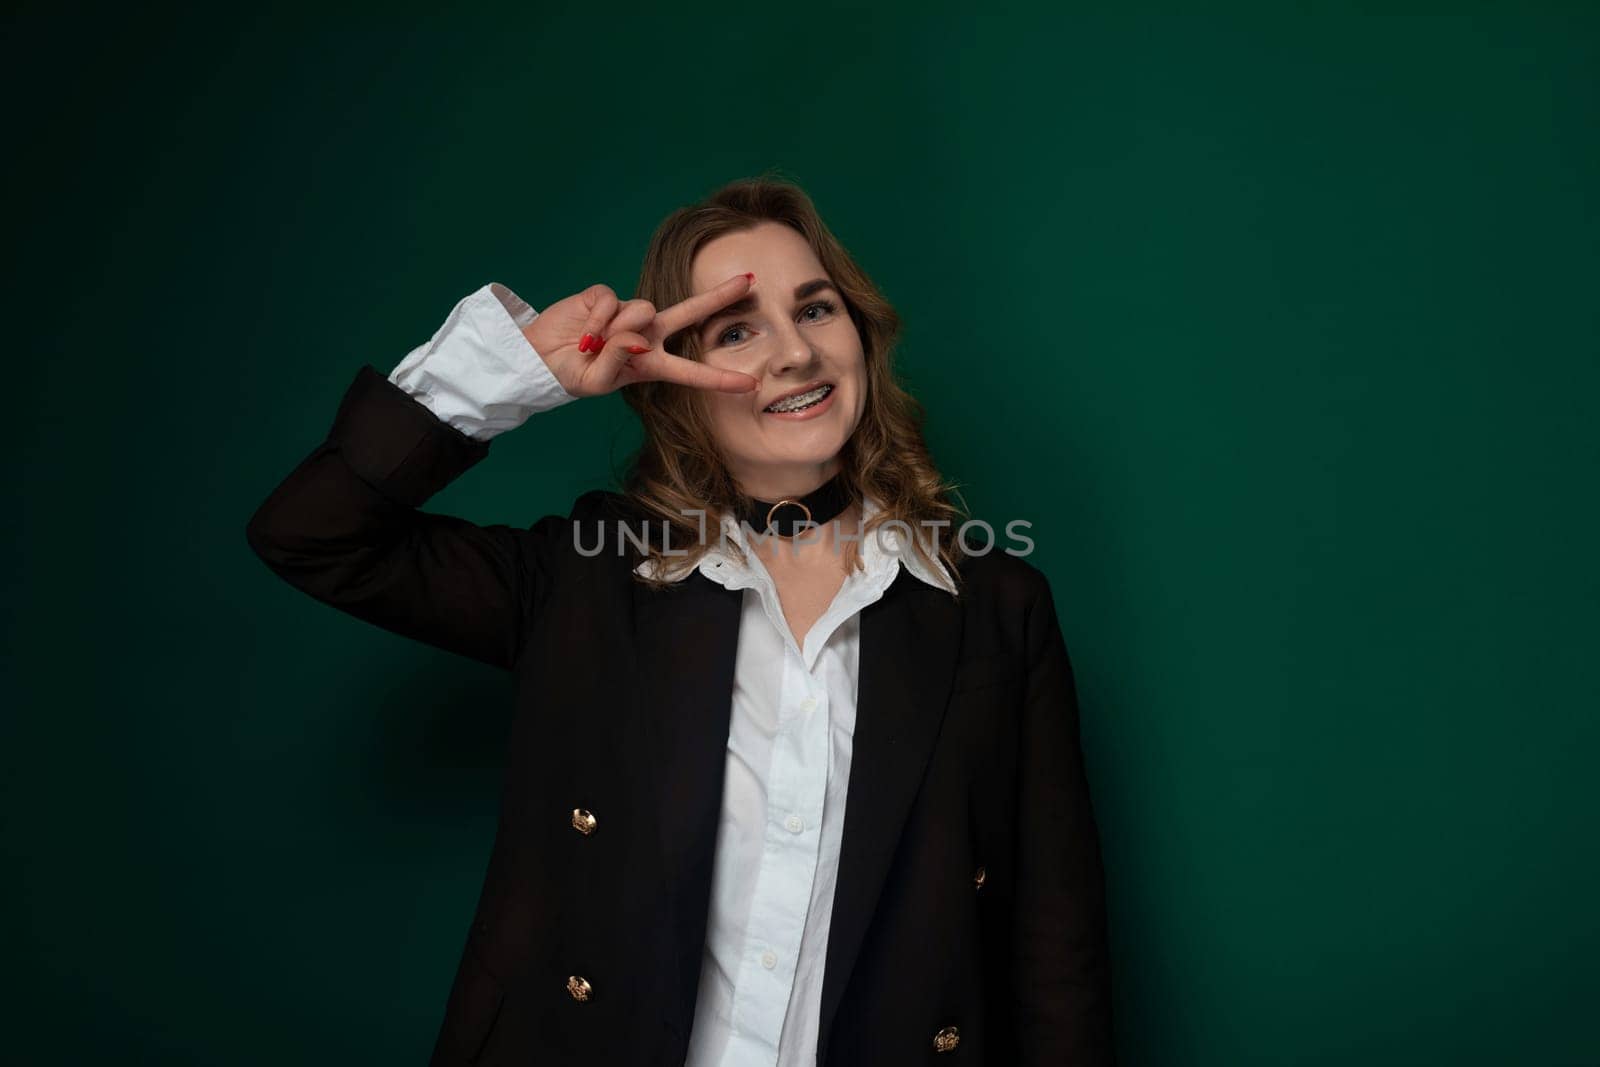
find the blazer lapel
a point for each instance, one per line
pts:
(909, 642)
(687, 638)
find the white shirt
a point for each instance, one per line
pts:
(787, 767)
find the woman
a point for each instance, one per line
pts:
(787, 784)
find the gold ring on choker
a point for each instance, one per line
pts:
(780, 504)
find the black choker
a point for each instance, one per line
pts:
(791, 515)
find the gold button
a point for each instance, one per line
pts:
(946, 1040)
(579, 987)
(978, 877)
(583, 821)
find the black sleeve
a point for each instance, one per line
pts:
(1060, 952)
(345, 527)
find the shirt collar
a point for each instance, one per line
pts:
(882, 551)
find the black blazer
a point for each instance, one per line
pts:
(970, 908)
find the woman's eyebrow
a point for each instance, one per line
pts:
(747, 304)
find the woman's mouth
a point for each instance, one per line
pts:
(803, 405)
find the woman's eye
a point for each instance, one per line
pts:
(828, 307)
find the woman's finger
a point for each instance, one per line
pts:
(657, 364)
(636, 315)
(615, 354)
(687, 312)
(603, 304)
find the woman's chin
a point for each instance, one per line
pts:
(801, 459)
(794, 444)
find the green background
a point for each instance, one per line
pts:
(1279, 325)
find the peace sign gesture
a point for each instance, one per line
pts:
(595, 344)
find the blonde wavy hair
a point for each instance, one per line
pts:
(679, 467)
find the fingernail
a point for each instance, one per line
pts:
(750, 274)
(585, 341)
(636, 349)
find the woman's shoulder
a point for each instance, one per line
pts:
(1006, 602)
(602, 527)
(602, 504)
(598, 505)
(1002, 577)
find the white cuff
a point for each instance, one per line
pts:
(479, 373)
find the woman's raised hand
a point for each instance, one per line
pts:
(625, 339)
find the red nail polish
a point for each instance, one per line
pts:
(636, 349)
(585, 341)
(750, 274)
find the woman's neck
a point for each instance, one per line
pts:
(812, 547)
(786, 482)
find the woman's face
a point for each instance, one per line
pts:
(791, 333)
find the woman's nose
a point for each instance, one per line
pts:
(792, 350)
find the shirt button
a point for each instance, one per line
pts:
(794, 824)
(808, 704)
(769, 959)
